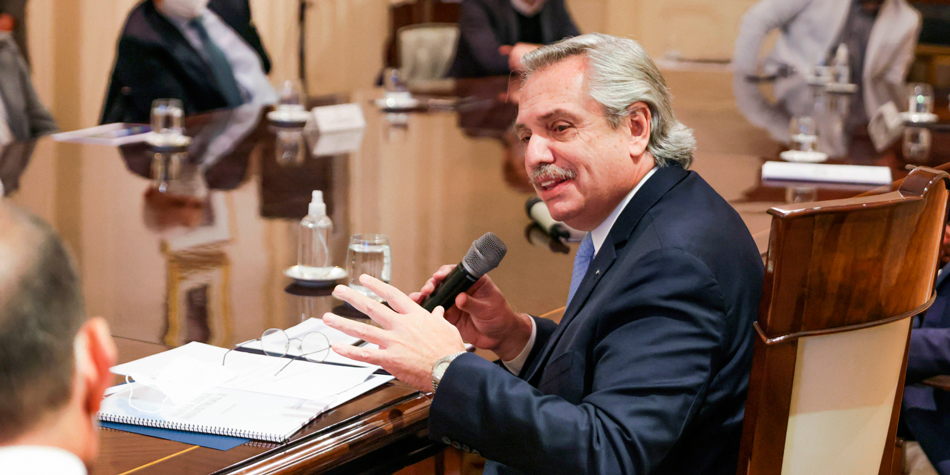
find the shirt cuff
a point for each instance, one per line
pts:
(516, 364)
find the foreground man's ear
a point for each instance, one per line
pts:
(96, 353)
(639, 125)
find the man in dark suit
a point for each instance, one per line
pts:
(925, 411)
(210, 58)
(648, 369)
(494, 34)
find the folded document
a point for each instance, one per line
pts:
(819, 172)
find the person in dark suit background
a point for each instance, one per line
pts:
(925, 411)
(209, 57)
(647, 371)
(495, 34)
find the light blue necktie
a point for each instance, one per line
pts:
(585, 254)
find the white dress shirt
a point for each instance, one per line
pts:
(39, 460)
(598, 236)
(246, 64)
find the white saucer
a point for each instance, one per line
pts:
(289, 117)
(803, 157)
(841, 88)
(397, 103)
(315, 275)
(175, 143)
(924, 118)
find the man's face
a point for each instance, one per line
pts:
(580, 166)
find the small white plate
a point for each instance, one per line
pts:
(841, 88)
(397, 103)
(924, 118)
(315, 275)
(288, 117)
(803, 157)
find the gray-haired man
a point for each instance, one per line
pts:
(648, 369)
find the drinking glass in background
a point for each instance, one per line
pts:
(368, 254)
(291, 95)
(166, 118)
(803, 134)
(916, 144)
(920, 99)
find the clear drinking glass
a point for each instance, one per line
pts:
(916, 144)
(803, 134)
(920, 98)
(291, 95)
(167, 115)
(368, 254)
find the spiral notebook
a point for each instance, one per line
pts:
(222, 411)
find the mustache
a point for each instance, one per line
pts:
(551, 171)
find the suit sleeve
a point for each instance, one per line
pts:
(146, 74)
(649, 367)
(757, 23)
(476, 31)
(40, 120)
(929, 354)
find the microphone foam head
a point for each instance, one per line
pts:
(484, 255)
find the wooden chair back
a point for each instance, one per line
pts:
(842, 280)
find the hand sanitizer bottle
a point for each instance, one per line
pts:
(841, 69)
(313, 254)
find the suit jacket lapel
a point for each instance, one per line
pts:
(623, 229)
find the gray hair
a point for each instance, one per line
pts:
(620, 74)
(41, 311)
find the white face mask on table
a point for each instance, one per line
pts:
(183, 9)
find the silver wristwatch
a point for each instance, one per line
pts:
(442, 364)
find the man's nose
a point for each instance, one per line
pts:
(537, 152)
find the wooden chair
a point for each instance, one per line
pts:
(842, 280)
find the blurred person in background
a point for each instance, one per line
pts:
(54, 363)
(206, 53)
(880, 36)
(495, 34)
(22, 115)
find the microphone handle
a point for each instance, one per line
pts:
(458, 281)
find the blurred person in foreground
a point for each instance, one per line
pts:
(22, 115)
(495, 34)
(880, 36)
(54, 363)
(206, 53)
(647, 371)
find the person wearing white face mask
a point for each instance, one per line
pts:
(494, 34)
(206, 53)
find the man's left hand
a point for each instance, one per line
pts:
(410, 341)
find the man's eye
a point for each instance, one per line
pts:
(525, 139)
(561, 127)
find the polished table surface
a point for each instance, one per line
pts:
(195, 251)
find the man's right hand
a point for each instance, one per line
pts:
(483, 316)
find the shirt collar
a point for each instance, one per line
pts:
(599, 234)
(40, 459)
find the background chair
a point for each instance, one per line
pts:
(426, 51)
(842, 280)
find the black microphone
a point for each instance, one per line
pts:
(538, 212)
(484, 255)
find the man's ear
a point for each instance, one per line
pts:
(95, 355)
(639, 125)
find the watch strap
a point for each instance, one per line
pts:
(436, 379)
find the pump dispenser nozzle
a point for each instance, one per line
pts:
(317, 207)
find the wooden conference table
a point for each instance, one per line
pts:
(176, 252)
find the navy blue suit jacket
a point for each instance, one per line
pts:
(926, 410)
(648, 370)
(154, 60)
(484, 25)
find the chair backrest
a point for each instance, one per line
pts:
(842, 280)
(426, 50)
